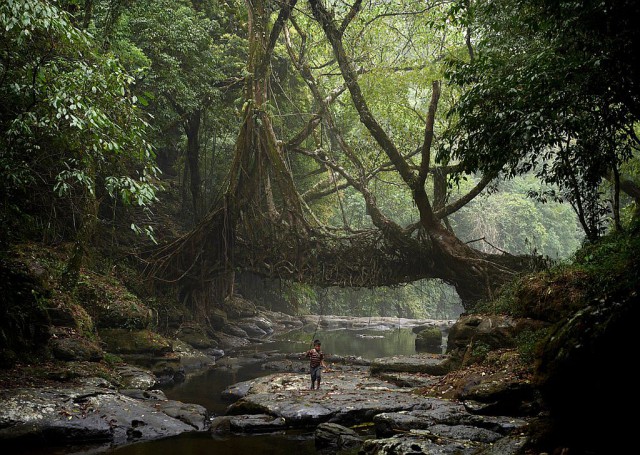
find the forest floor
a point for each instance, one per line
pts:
(455, 383)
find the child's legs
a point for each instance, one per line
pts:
(315, 376)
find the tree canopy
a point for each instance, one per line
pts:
(353, 143)
(552, 89)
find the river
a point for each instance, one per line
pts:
(206, 388)
(246, 363)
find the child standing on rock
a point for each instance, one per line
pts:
(316, 362)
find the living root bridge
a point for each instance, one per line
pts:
(207, 258)
(276, 249)
(362, 259)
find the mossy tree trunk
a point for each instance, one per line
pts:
(71, 273)
(258, 158)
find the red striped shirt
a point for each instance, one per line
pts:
(315, 357)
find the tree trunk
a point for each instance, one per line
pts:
(257, 153)
(192, 130)
(72, 269)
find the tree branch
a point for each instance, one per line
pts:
(464, 200)
(283, 16)
(350, 77)
(353, 11)
(428, 134)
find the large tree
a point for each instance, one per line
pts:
(367, 136)
(262, 185)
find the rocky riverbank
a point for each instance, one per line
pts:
(386, 396)
(384, 399)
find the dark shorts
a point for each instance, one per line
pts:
(315, 372)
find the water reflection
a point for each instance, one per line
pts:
(368, 344)
(198, 443)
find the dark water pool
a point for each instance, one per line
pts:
(195, 444)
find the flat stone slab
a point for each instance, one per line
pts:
(436, 413)
(88, 414)
(346, 397)
(433, 364)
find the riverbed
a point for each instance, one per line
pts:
(345, 340)
(247, 363)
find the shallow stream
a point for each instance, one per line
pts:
(245, 364)
(206, 388)
(240, 365)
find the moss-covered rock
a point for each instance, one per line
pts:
(125, 342)
(75, 348)
(196, 336)
(472, 337)
(73, 316)
(111, 305)
(237, 307)
(429, 340)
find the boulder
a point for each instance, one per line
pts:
(472, 337)
(124, 341)
(336, 437)
(191, 359)
(75, 348)
(196, 336)
(235, 330)
(237, 307)
(111, 307)
(419, 363)
(236, 391)
(56, 416)
(251, 328)
(189, 413)
(500, 394)
(429, 340)
(135, 378)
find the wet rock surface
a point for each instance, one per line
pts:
(136, 378)
(88, 414)
(432, 364)
(349, 397)
(331, 438)
(425, 442)
(256, 423)
(353, 391)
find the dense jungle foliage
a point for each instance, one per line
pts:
(123, 116)
(476, 141)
